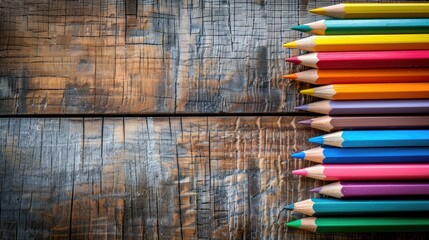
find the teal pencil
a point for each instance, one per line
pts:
(365, 26)
(338, 207)
(375, 138)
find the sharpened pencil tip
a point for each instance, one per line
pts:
(301, 172)
(290, 45)
(302, 108)
(298, 155)
(318, 140)
(294, 60)
(295, 224)
(302, 28)
(289, 207)
(316, 190)
(291, 76)
(309, 91)
(317, 11)
(306, 122)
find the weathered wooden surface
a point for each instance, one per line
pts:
(167, 56)
(154, 178)
(151, 178)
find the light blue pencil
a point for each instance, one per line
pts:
(375, 138)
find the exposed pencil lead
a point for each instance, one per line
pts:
(294, 60)
(302, 108)
(317, 10)
(301, 172)
(306, 122)
(302, 28)
(291, 76)
(290, 45)
(300, 155)
(309, 91)
(289, 207)
(318, 140)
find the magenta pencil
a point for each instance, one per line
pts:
(365, 59)
(363, 172)
(351, 189)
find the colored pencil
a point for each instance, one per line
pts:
(367, 91)
(329, 124)
(345, 189)
(366, 172)
(374, 138)
(365, 26)
(361, 42)
(368, 107)
(365, 155)
(361, 224)
(336, 207)
(364, 59)
(375, 10)
(382, 75)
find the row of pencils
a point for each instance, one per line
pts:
(373, 60)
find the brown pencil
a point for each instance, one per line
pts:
(329, 124)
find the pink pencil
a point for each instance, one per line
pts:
(334, 172)
(365, 59)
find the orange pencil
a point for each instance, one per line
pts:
(315, 76)
(370, 91)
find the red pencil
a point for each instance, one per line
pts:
(365, 59)
(363, 172)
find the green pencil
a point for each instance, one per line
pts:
(361, 224)
(365, 26)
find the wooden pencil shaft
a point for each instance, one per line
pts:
(375, 138)
(333, 76)
(369, 107)
(375, 10)
(371, 91)
(367, 172)
(330, 124)
(362, 224)
(346, 189)
(366, 26)
(336, 207)
(364, 59)
(366, 155)
(362, 42)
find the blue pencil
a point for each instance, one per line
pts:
(365, 155)
(375, 138)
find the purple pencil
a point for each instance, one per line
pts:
(368, 107)
(344, 189)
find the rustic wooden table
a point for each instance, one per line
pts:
(152, 120)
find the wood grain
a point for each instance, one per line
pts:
(154, 178)
(81, 56)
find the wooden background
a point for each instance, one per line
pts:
(152, 120)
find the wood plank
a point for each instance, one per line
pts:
(108, 56)
(154, 178)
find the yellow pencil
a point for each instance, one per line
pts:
(361, 42)
(375, 10)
